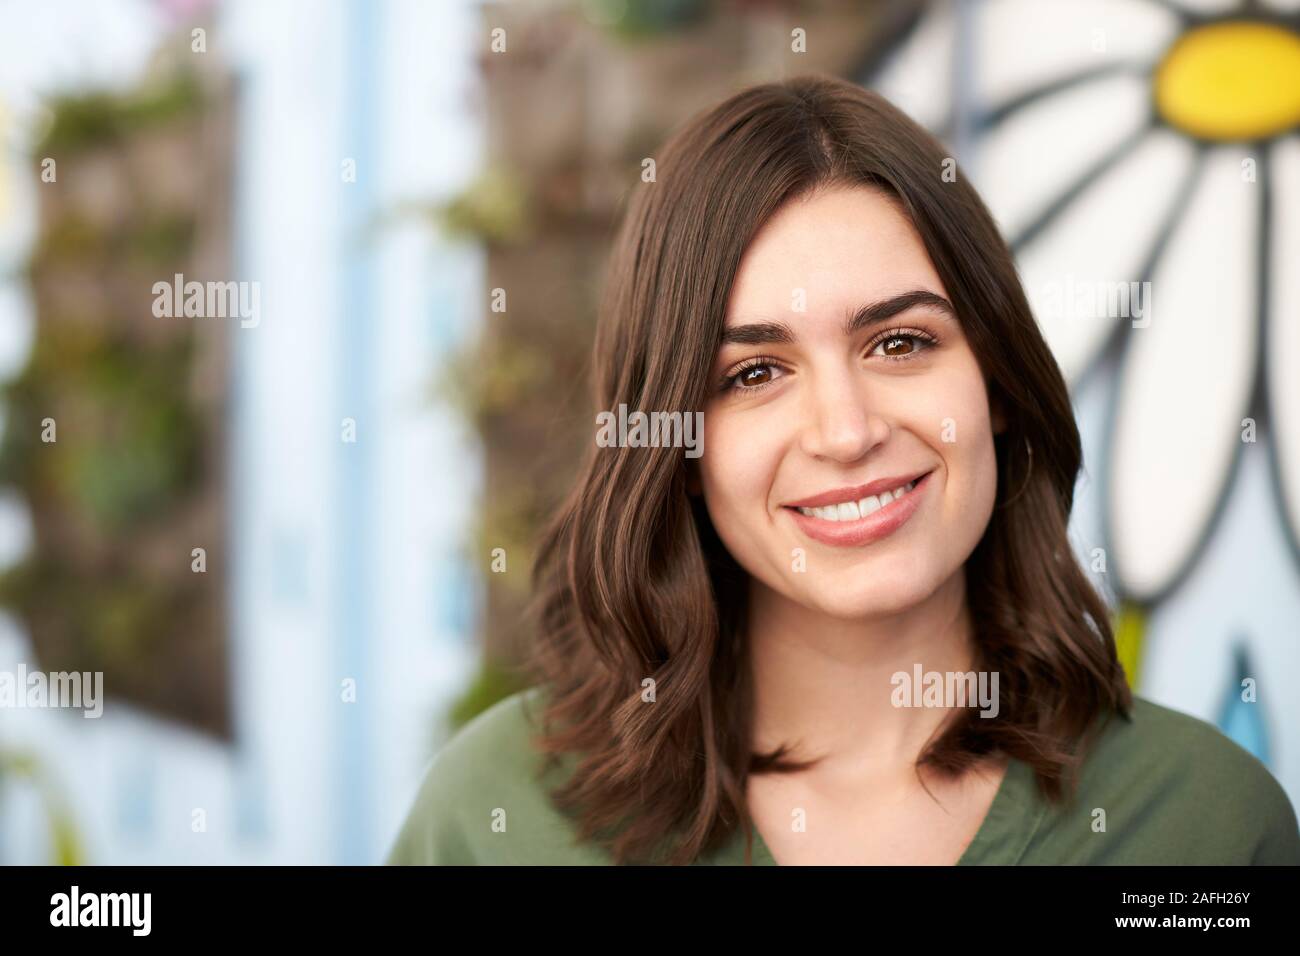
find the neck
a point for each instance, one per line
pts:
(823, 684)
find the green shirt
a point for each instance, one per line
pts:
(1175, 790)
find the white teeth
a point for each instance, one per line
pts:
(853, 510)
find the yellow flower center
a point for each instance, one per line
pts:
(1231, 81)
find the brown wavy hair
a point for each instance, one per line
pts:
(631, 581)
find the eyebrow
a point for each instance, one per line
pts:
(779, 333)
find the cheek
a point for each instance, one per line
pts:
(737, 471)
(966, 445)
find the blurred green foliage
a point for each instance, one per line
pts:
(647, 19)
(130, 447)
(96, 119)
(104, 435)
(494, 207)
(480, 383)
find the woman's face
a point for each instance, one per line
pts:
(844, 374)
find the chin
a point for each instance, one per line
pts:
(863, 593)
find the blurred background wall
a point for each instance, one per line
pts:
(349, 463)
(342, 484)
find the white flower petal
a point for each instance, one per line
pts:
(1286, 6)
(1186, 382)
(1022, 44)
(1106, 237)
(1282, 340)
(1025, 162)
(917, 78)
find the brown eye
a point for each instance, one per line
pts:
(753, 376)
(903, 344)
(898, 345)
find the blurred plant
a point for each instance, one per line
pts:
(95, 119)
(643, 19)
(64, 842)
(136, 448)
(493, 207)
(492, 384)
(482, 382)
(509, 519)
(106, 434)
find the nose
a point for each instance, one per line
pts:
(839, 422)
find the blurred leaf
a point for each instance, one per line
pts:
(493, 208)
(479, 385)
(86, 120)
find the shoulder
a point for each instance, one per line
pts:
(1173, 788)
(482, 798)
(495, 744)
(1190, 756)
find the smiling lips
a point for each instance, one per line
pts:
(851, 517)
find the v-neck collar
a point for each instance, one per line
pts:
(1009, 825)
(1011, 822)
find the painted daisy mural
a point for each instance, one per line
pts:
(1143, 159)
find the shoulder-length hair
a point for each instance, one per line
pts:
(631, 581)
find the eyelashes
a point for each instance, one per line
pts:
(916, 335)
(733, 378)
(736, 378)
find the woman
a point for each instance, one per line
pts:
(852, 630)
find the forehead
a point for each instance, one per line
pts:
(841, 246)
